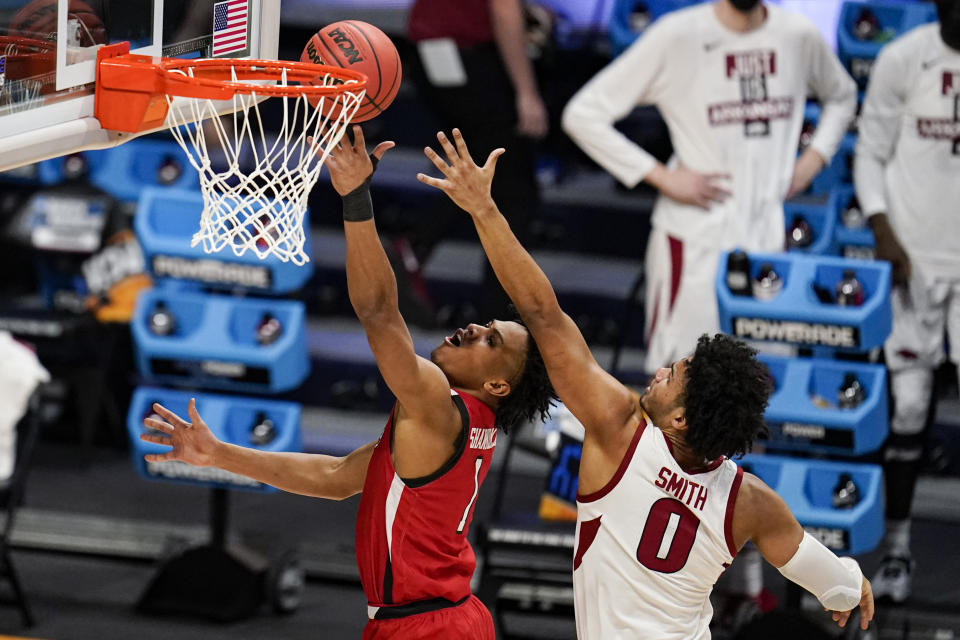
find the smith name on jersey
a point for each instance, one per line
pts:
(676, 527)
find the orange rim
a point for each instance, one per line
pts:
(132, 90)
(217, 73)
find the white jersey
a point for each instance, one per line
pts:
(733, 103)
(908, 149)
(651, 544)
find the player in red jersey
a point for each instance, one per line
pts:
(421, 479)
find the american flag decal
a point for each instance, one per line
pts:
(3, 69)
(229, 26)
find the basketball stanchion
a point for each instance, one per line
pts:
(259, 209)
(225, 579)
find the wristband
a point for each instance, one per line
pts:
(358, 205)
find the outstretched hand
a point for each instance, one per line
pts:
(866, 608)
(467, 184)
(192, 442)
(349, 165)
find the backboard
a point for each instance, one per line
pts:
(48, 53)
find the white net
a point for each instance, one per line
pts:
(256, 180)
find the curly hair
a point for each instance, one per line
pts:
(531, 396)
(725, 396)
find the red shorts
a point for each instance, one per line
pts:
(469, 621)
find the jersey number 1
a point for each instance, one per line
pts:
(473, 498)
(668, 536)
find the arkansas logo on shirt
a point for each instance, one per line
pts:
(945, 128)
(755, 109)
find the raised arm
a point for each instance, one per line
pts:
(419, 385)
(762, 516)
(597, 399)
(315, 475)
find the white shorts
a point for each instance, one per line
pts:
(680, 297)
(921, 314)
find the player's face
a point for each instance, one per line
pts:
(471, 356)
(665, 390)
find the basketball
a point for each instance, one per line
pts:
(359, 46)
(38, 19)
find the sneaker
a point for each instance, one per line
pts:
(893, 578)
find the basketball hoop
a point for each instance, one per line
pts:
(258, 207)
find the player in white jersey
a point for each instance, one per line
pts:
(730, 79)
(906, 173)
(661, 508)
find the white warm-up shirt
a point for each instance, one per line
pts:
(907, 161)
(651, 544)
(733, 103)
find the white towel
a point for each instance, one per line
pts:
(20, 373)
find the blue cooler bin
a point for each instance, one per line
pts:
(125, 171)
(796, 316)
(52, 171)
(820, 213)
(214, 343)
(622, 32)
(857, 243)
(230, 418)
(839, 170)
(796, 422)
(165, 222)
(894, 18)
(807, 487)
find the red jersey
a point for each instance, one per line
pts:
(412, 533)
(466, 21)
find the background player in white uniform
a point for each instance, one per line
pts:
(731, 80)
(907, 174)
(654, 528)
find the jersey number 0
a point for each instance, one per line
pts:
(668, 536)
